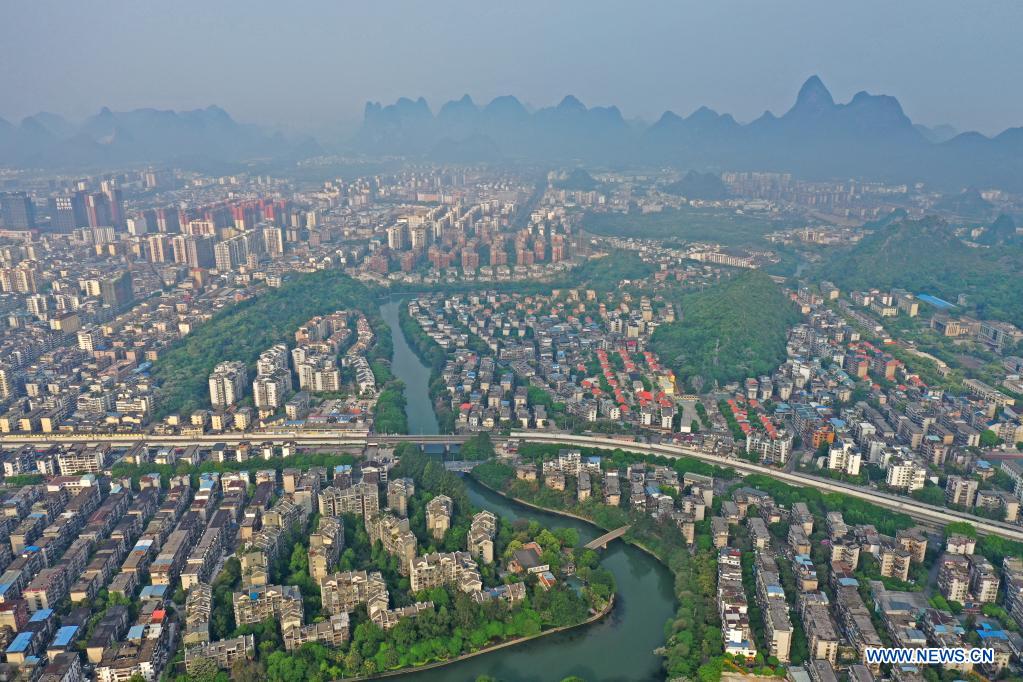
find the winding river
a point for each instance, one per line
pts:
(619, 647)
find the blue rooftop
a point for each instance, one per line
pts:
(65, 635)
(20, 643)
(153, 591)
(986, 631)
(136, 632)
(935, 301)
(40, 615)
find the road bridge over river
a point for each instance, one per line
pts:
(601, 542)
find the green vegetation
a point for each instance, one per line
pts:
(1001, 615)
(23, 480)
(701, 412)
(870, 570)
(693, 647)
(605, 274)
(619, 459)
(578, 180)
(457, 625)
(989, 439)
(243, 331)
(960, 528)
(724, 226)
(854, 510)
(967, 204)
(493, 474)
(433, 356)
(426, 349)
(733, 425)
(389, 414)
(477, 448)
(222, 616)
(930, 494)
(694, 185)
(995, 548)
(732, 331)
(927, 257)
(1000, 233)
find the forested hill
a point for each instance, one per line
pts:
(243, 331)
(926, 257)
(728, 332)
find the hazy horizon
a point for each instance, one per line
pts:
(312, 67)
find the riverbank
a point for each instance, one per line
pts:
(561, 512)
(525, 503)
(406, 366)
(490, 649)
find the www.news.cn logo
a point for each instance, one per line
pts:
(930, 656)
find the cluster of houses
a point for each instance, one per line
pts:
(578, 350)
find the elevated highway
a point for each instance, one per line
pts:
(918, 510)
(349, 438)
(310, 437)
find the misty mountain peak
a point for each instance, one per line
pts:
(463, 104)
(571, 103)
(813, 96)
(703, 114)
(506, 105)
(668, 118)
(218, 113)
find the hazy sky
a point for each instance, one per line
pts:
(313, 64)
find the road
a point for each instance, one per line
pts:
(325, 437)
(917, 510)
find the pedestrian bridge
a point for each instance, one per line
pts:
(601, 542)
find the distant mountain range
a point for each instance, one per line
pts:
(868, 137)
(140, 136)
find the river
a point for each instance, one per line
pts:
(619, 647)
(406, 366)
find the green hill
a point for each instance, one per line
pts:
(967, 204)
(243, 331)
(925, 256)
(1002, 232)
(728, 332)
(699, 186)
(578, 180)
